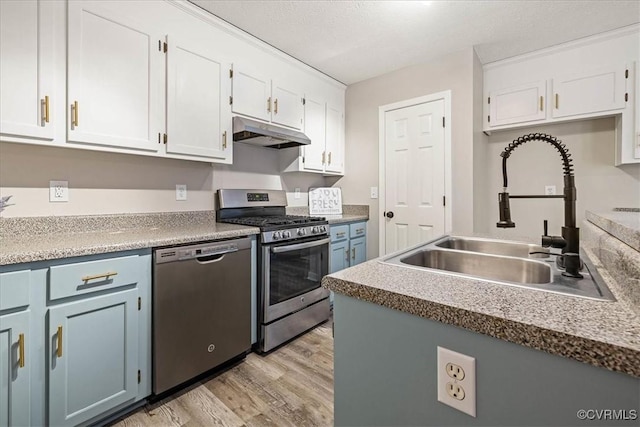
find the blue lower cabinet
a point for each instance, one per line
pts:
(358, 250)
(348, 245)
(93, 356)
(339, 258)
(15, 369)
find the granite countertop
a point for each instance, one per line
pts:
(602, 333)
(350, 213)
(343, 219)
(621, 223)
(38, 239)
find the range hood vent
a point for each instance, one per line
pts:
(253, 132)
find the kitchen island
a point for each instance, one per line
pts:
(540, 357)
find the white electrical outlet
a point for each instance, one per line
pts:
(181, 192)
(374, 192)
(296, 194)
(457, 380)
(58, 191)
(550, 190)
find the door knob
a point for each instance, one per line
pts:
(389, 214)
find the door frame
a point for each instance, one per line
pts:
(382, 110)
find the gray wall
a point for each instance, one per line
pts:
(385, 375)
(452, 72)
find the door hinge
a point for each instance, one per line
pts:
(444, 200)
(626, 74)
(139, 303)
(304, 101)
(160, 45)
(159, 137)
(165, 138)
(231, 100)
(302, 159)
(165, 47)
(230, 73)
(139, 376)
(489, 119)
(489, 100)
(443, 122)
(626, 97)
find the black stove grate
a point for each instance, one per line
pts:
(274, 220)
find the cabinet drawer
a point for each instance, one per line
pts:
(14, 289)
(92, 276)
(339, 232)
(358, 229)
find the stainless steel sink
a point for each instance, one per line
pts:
(511, 269)
(503, 262)
(495, 247)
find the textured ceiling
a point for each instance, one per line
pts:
(356, 40)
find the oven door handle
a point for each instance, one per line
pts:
(289, 248)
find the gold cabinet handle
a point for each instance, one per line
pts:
(347, 254)
(340, 234)
(269, 105)
(541, 103)
(74, 114)
(21, 350)
(353, 253)
(275, 106)
(557, 101)
(45, 109)
(224, 140)
(329, 162)
(100, 276)
(59, 349)
(323, 157)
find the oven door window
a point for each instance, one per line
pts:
(296, 272)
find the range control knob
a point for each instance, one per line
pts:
(276, 235)
(323, 229)
(315, 230)
(286, 234)
(302, 232)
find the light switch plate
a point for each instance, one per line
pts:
(58, 191)
(181, 192)
(374, 192)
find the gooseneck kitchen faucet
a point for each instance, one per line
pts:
(569, 242)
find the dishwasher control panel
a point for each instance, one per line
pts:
(182, 253)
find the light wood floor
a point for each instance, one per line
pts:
(292, 386)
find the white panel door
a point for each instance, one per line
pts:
(523, 103)
(315, 129)
(288, 109)
(115, 78)
(251, 93)
(415, 180)
(198, 110)
(26, 68)
(589, 92)
(335, 140)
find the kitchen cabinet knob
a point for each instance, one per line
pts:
(389, 214)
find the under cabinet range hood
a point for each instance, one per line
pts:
(253, 132)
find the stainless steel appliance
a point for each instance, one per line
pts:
(293, 256)
(253, 132)
(201, 309)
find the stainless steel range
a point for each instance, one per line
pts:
(293, 256)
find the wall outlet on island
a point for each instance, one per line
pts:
(457, 380)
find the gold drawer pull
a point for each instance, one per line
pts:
(541, 102)
(45, 110)
(329, 157)
(100, 276)
(557, 101)
(340, 234)
(59, 349)
(353, 253)
(275, 106)
(269, 105)
(74, 114)
(323, 157)
(21, 350)
(224, 140)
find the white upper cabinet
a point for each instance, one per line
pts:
(593, 91)
(198, 111)
(519, 104)
(26, 67)
(258, 96)
(315, 128)
(115, 75)
(335, 140)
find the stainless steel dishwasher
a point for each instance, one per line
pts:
(201, 309)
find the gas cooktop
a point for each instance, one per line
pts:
(275, 220)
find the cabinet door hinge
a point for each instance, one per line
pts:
(230, 73)
(139, 303)
(159, 136)
(444, 200)
(165, 138)
(302, 159)
(489, 100)
(231, 100)
(304, 101)
(626, 97)
(489, 119)
(139, 376)
(165, 47)
(443, 122)
(160, 45)
(626, 74)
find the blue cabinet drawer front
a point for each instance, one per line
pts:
(339, 232)
(14, 289)
(358, 229)
(93, 276)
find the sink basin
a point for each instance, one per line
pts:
(511, 269)
(495, 247)
(501, 262)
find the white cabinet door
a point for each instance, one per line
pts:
(15, 368)
(519, 104)
(334, 140)
(589, 92)
(93, 361)
(315, 129)
(198, 110)
(288, 109)
(115, 76)
(251, 93)
(26, 67)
